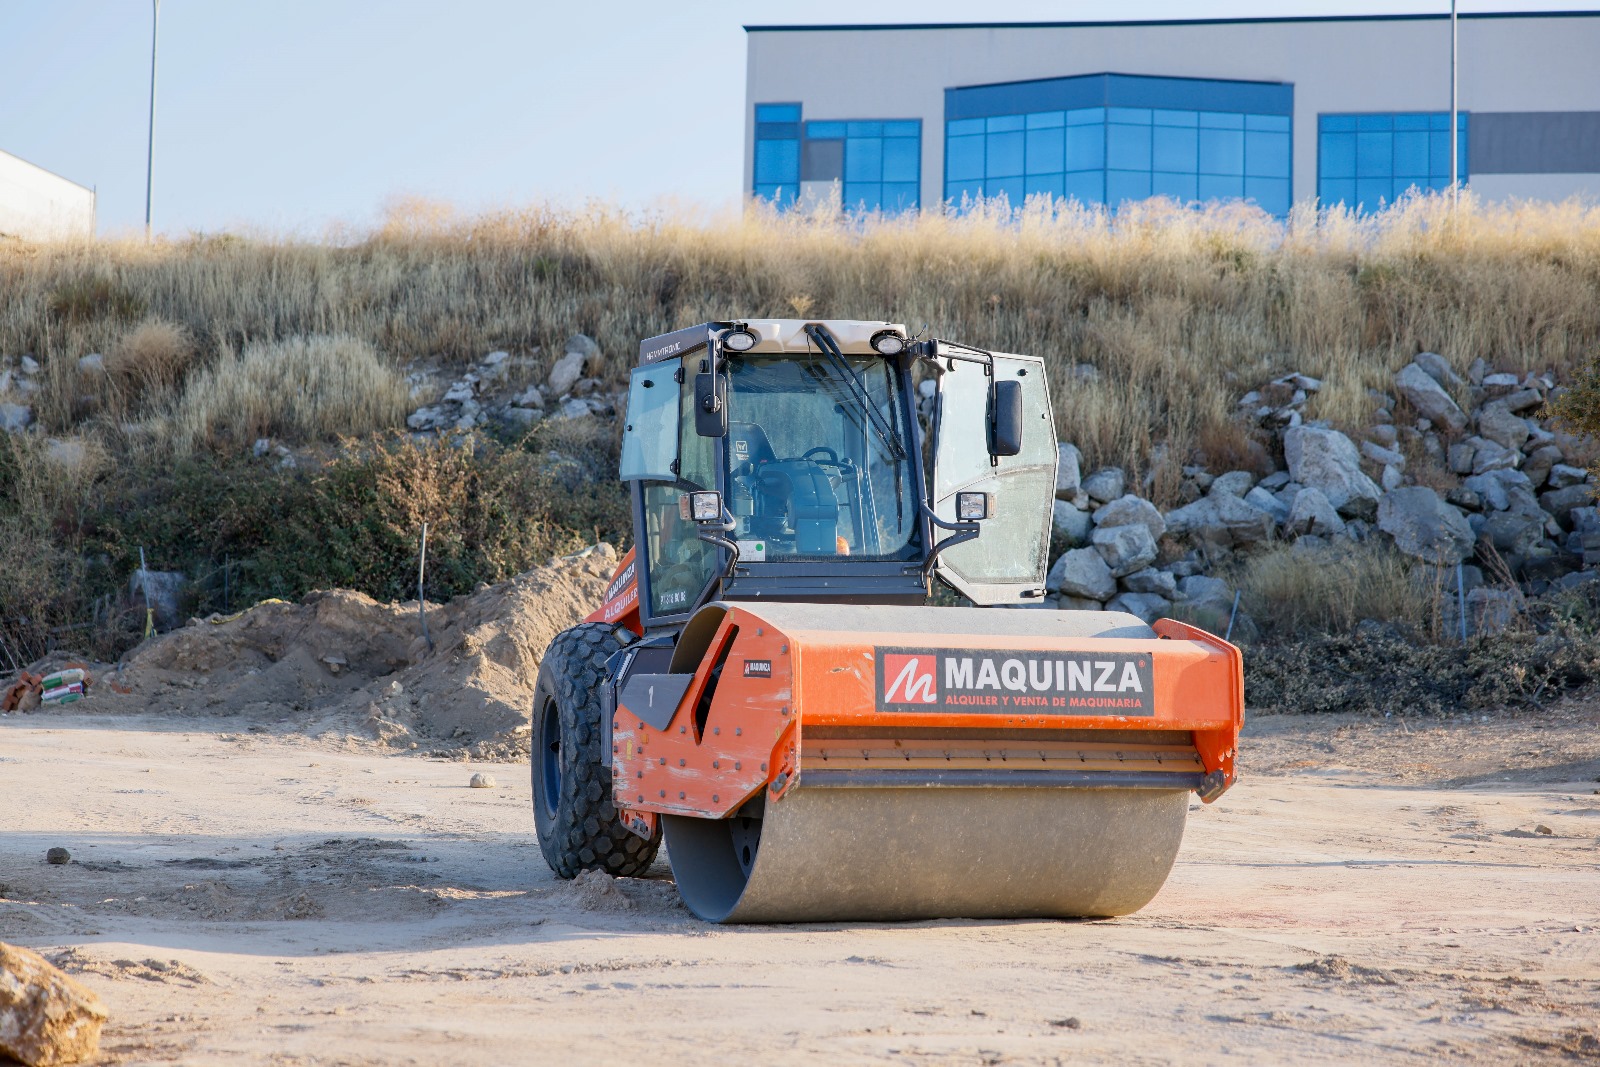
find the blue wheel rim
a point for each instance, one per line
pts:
(550, 754)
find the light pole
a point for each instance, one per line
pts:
(1455, 175)
(150, 148)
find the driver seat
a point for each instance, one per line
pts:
(748, 448)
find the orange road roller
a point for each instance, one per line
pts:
(770, 688)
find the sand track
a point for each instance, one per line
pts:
(265, 898)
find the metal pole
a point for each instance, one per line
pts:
(1455, 174)
(150, 148)
(422, 602)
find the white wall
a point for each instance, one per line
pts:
(39, 206)
(1507, 64)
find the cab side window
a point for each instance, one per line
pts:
(680, 563)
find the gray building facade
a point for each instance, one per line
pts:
(1352, 110)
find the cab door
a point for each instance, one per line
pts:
(1006, 563)
(665, 459)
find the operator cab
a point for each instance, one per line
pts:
(784, 460)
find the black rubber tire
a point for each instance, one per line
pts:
(580, 830)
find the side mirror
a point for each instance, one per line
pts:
(711, 405)
(1005, 421)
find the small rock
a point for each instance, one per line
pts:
(1221, 520)
(1129, 508)
(1503, 382)
(1234, 483)
(1391, 478)
(458, 392)
(1105, 485)
(1543, 829)
(1429, 398)
(30, 365)
(335, 662)
(1383, 456)
(1082, 572)
(46, 1017)
(93, 363)
(494, 359)
(1260, 498)
(1493, 456)
(530, 397)
(262, 446)
(1384, 434)
(1069, 476)
(522, 416)
(58, 855)
(1299, 381)
(1460, 457)
(14, 418)
(1562, 476)
(1477, 370)
(575, 408)
(1069, 522)
(1498, 424)
(565, 374)
(1539, 464)
(1151, 580)
(1201, 589)
(1438, 369)
(482, 781)
(1274, 481)
(1522, 400)
(1312, 513)
(1147, 606)
(1125, 548)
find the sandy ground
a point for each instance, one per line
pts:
(1369, 892)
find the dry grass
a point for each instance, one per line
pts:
(150, 362)
(1295, 592)
(302, 388)
(1181, 310)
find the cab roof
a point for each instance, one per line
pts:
(775, 336)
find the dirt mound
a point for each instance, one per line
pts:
(340, 661)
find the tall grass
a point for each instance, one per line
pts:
(1180, 310)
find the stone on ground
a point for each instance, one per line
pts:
(1129, 508)
(1082, 572)
(1147, 606)
(1221, 520)
(1069, 475)
(1105, 485)
(1424, 526)
(46, 1017)
(1313, 513)
(1327, 460)
(1070, 523)
(1429, 398)
(1125, 548)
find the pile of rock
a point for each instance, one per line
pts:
(1483, 480)
(484, 394)
(19, 384)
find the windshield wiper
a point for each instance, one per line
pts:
(830, 348)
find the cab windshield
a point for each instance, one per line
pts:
(818, 465)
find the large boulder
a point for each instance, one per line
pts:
(1070, 523)
(1498, 424)
(1234, 483)
(1512, 532)
(1203, 589)
(1069, 475)
(1438, 369)
(1495, 486)
(1313, 513)
(1429, 398)
(1132, 509)
(46, 1017)
(1082, 572)
(1147, 606)
(1221, 520)
(581, 353)
(1424, 526)
(1560, 502)
(1105, 484)
(14, 418)
(1151, 580)
(1327, 460)
(1125, 548)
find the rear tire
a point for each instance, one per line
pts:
(572, 807)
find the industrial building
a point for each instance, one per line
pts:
(1351, 110)
(36, 205)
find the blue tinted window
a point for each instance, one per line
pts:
(1176, 149)
(1108, 155)
(1386, 155)
(902, 160)
(1085, 186)
(1004, 156)
(957, 191)
(863, 129)
(1045, 150)
(1127, 147)
(782, 195)
(1043, 184)
(903, 128)
(1127, 185)
(900, 196)
(859, 195)
(777, 112)
(1266, 155)
(1182, 187)
(863, 159)
(777, 162)
(1338, 155)
(963, 158)
(1221, 151)
(1086, 147)
(821, 131)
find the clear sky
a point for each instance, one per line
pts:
(293, 114)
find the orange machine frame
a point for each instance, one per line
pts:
(738, 728)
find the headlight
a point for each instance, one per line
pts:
(742, 340)
(888, 343)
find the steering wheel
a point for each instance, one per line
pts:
(832, 460)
